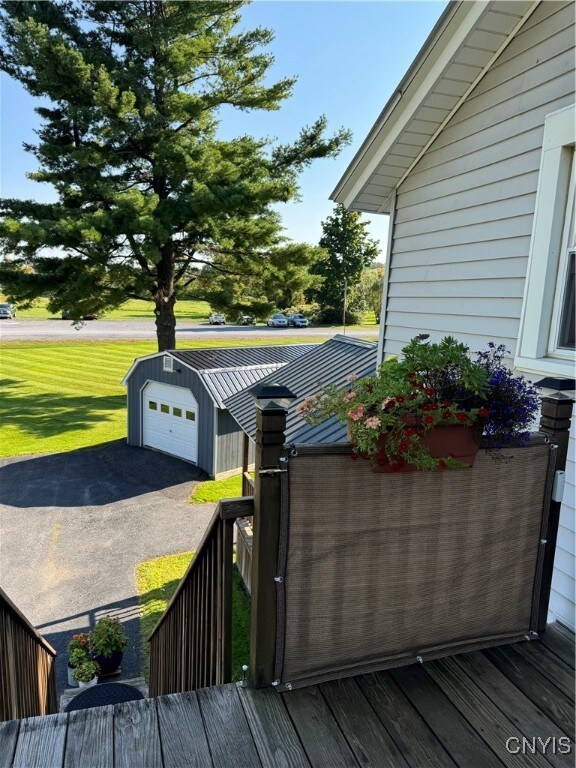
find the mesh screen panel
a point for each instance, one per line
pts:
(379, 568)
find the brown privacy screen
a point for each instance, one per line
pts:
(379, 569)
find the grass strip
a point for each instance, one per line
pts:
(214, 490)
(156, 582)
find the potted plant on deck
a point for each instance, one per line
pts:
(86, 672)
(108, 640)
(428, 410)
(78, 651)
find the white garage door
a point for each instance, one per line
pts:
(170, 420)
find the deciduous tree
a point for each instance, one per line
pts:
(349, 250)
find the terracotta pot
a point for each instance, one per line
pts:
(458, 441)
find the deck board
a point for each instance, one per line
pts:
(90, 738)
(41, 742)
(365, 733)
(8, 740)
(182, 732)
(321, 736)
(557, 642)
(413, 737)
(521, 710)
(136, 735)
(466, 747)
(481, 713)
(534, 685)
(274, 734)
(227, 729)
(457, 711)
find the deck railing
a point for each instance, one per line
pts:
(27, 674)
(247, 484)
(191, 646)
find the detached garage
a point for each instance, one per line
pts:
(175, 401)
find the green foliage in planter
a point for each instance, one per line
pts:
(108, 637)
(86, 671)
(435, 384)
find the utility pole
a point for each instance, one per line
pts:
(344, 309)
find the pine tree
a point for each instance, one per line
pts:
(147, 192)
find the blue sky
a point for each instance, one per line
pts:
(348, 55)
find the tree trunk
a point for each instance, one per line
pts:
(165, 321)
(164, 299)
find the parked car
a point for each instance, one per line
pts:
(246, 320)
(277, 321)
(298, 321)
(217, 319)
(7, 310)
(90, 316)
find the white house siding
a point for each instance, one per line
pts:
(563, 582)
(464, 215)
(463, 220)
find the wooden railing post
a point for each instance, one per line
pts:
(270, 425)
(556, 412)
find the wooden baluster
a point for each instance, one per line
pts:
(556, 412)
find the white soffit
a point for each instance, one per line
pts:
(467, 39)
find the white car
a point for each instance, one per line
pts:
(277, 321)
(7, 310)
(217, 319)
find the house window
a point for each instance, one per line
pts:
(168, 364)
(546, 339)
(566, 332)
(176, 411)
(152, 405)
(164, 408)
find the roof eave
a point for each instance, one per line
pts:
(457, 23)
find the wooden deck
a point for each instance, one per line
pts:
(459, 711)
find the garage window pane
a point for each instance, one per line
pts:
(152, 405)
(176, 411)
(164, 408)
(190, 415)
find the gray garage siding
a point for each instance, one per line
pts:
(464, 214)
(151, 370)
(230, 443)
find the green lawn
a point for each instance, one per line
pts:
(214, 490)
(59, 396)
(156, 581)
(131, 310)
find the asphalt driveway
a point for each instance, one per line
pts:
(73, 526)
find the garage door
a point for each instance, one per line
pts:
(170, 420)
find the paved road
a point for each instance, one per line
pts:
(145, 329)
(73, 526)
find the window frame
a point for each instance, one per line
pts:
(537, 322)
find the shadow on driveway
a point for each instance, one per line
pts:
(94, 477)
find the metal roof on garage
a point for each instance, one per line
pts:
(227, 370)
(239, 357)
(222, 383)
(329, 363)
